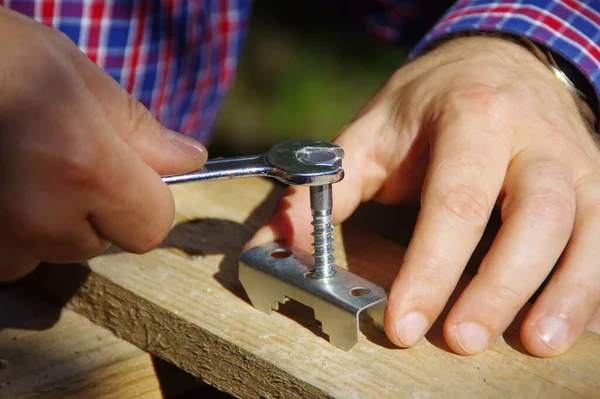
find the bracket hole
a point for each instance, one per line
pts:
(281, 254)
(359, 291)
(310, 275)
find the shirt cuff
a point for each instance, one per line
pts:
(570, 28)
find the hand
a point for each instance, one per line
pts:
(80, 158)
(476, 122)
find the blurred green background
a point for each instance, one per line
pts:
(304, 73)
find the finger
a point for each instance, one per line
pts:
(368, 164)
(594, 324)
(77, 245)
(131, 206)
(569, 301)
(166, 151)
(52, 225)
(290, 221)
(538, 213)
(469, 157)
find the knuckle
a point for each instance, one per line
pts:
(136, 119)
(550, 210)
(79, 164)
(587, 191)
(582, 292)
(481, 99)
(502, 295)
(592, 210)
(468, 205)
(433, 277)
(431, 274)
(556, 135)
(552, 171)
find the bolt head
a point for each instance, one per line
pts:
(320, 156)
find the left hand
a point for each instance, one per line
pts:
(477, 122)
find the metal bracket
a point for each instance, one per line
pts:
(272, 272)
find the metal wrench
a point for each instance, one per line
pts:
(313, 163)
(295, 162)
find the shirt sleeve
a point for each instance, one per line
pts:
(570, 28)
(402, 22)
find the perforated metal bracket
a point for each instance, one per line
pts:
(272, 272)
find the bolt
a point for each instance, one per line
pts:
(324, 156)
(321, 205)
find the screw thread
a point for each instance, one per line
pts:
(323, 244)
(321, 210)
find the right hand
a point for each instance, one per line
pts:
(80, 160)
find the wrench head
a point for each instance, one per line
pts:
(306, 162)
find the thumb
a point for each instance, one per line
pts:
(166, 151)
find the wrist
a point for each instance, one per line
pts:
(500, 50)
(480, 52)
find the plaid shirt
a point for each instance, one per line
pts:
(178, 57)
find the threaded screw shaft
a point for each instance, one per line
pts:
(321, 205)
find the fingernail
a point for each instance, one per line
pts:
(411, 328)
(472, 337)
(554, 331)
(187, 145)
(594, 325)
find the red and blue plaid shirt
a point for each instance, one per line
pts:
(178, 57)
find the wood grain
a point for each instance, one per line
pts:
(183, 302)
(49, 353)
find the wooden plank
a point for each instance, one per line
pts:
(49, 353)
(192, 311)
